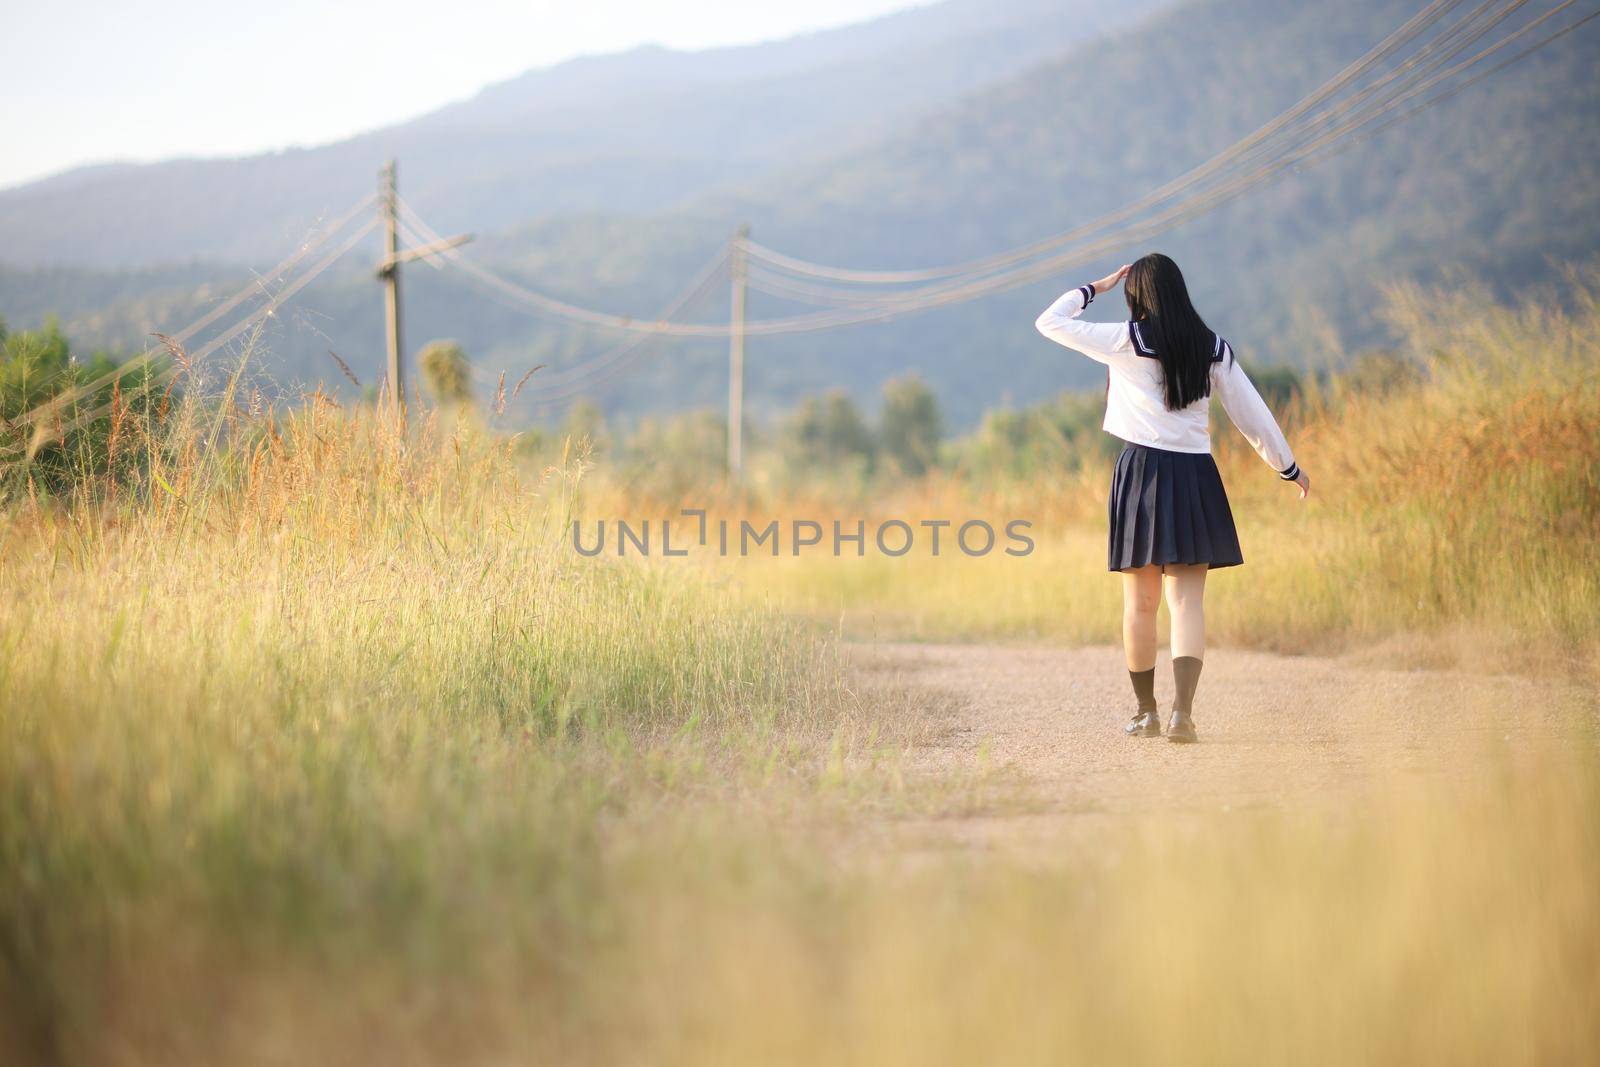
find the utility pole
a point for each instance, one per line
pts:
(389, 274)
(736, 270)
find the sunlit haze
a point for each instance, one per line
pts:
(86, 81)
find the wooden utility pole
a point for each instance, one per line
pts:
(736, 269)
(389, 273)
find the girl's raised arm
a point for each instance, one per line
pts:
(1104, 342)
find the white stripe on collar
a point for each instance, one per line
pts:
(1138, 340)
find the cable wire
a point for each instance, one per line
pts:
(1297, 135)
(962, 288)
(1401, 36)
(255, 288)
(609, 365)
(691, 292)
(935, 296)
(168, 373)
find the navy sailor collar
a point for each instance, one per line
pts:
(1145, 349)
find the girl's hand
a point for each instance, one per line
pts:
(1304, 483)
(1110, 281)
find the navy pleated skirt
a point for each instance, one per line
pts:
(1169, 507)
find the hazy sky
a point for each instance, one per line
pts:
(86, 81)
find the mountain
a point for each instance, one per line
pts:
(1500, 182)
(635, 132)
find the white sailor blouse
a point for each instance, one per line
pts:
(1136, 409)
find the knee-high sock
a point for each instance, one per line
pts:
(1144, 687)
(1185, 675)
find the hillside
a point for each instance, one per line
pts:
(1500, 182)
(633, 132)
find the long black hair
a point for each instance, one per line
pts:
(1158, 300)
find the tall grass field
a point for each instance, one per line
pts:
(320, 744)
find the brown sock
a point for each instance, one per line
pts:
(1185, 675)
(1144, 687)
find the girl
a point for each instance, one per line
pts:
(1169, 513)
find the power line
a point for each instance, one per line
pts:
(574, 379)
(256, 287)
(609, 365)
(1303, 132)
(1244, 151)
(1405, 33)
(166, 374)
(975, 284)
(1467, 83)
(937, 296)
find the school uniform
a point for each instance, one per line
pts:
(1167, 503)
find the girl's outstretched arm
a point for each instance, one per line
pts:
(1254, 419)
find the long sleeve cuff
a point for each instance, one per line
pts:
(1291, 472)
(1065, 308)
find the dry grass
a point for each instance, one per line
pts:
(1454, 519)
(319, 745)
(339, 692)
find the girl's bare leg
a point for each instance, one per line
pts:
(1141, 597)
(1186, 594)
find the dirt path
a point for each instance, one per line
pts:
(1275, 730)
